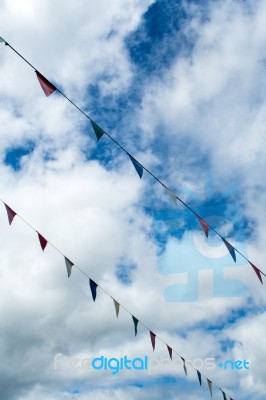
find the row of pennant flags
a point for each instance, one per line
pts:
(48, 88)
(11, 214)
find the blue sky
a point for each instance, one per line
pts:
(180, 84)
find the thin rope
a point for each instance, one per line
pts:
(108, 294)
(146, 169)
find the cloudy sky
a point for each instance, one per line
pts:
(181, 85)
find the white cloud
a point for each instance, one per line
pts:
(93, 215)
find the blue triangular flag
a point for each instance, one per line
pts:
(93, 287)
(136, 321)
(137, 165)
(199, 376)
(231, 249)
(224, 396)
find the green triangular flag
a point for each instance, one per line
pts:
(184, 365)
(210, 385)
(138, 167)
(136, 321)
(99, 132)
(2, 40)
(117, 307)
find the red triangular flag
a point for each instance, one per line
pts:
(47, 86)
(43, 241)
(10, 213)
(170, 351)
(257, 272)
(153, 336)
(204, 226)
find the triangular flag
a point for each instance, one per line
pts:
(43, 241)
(136, 321)
(199, 376)
(69, 266)
(99, 132)
(224, 396)
(184, 365)
(2, 40)
(170, 351)
(47, 86)
(117, 307)
(231, 249)
(204, 226)
(171, 195)
(137, 165)
(93, 287)
(153, 336)
(257, 272)
(210, 386)
(10, 213)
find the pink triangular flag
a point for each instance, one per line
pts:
(10, 213)
(153, 336)
(47, 86)
(257, 272)
(170, 351)
(204, 226)
(43, 241)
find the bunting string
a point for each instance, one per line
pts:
(49, 88)
(93, 287)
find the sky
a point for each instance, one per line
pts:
(181, 86)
